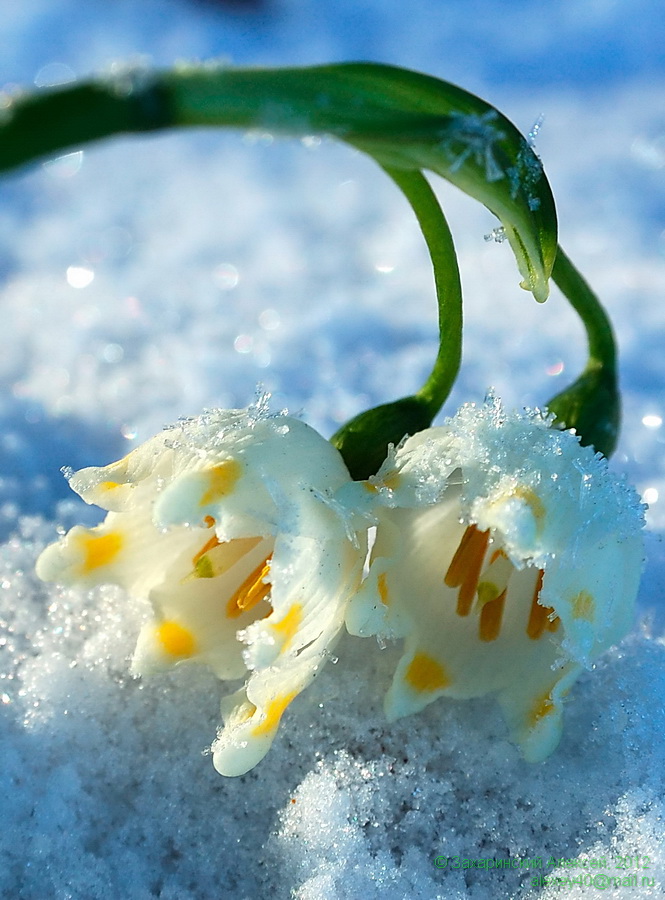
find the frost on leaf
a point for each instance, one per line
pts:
(476, 137)
(525, 175)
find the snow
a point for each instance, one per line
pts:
(152, 277)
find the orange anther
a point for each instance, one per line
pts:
(251, 591)
(490, 617)
(465, 567)
(539, 616)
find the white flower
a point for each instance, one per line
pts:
(508, 558)
(227, 524)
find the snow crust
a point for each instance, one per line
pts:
(150, 278)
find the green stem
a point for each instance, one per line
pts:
(592, 403)
(602, 346)
(402, 119)
(436, 232)
(363, 442)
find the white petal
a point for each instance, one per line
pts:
(508, 557)
(228, 525)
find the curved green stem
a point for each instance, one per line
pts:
(602, 346)
(402, 119)
(592, 404)
(363, 442)
(436, 232)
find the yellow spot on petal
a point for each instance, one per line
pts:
(176, 640)
(544, 706)
(382, 586)
(289, 625)
(253, 589)
(583, 606)
(426, 674)
(533, 501)
(99, 550)
(392, 480)
(273, 714)
(109, 485)
(221, 480)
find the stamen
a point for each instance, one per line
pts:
(217, 557)
(490, 617)
(213, 542)
(498, 554)
(465, 567)
(492, 591)
(539, 616)
(251, 591)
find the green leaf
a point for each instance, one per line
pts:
(592, 406)
(403, 119)
(363, 441)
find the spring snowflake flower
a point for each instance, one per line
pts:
(507, 557)
(227, 524)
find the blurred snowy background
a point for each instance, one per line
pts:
(146, 278)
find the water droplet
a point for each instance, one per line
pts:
(652, 421)
(556, 368)
(244, 343)
(226, 276)
(112, 353)
(54, 73)
(263, 138)
(269, 320)
(311, 141)
(535, 129)
(79, 276)
(64, 166)
(498, 235)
